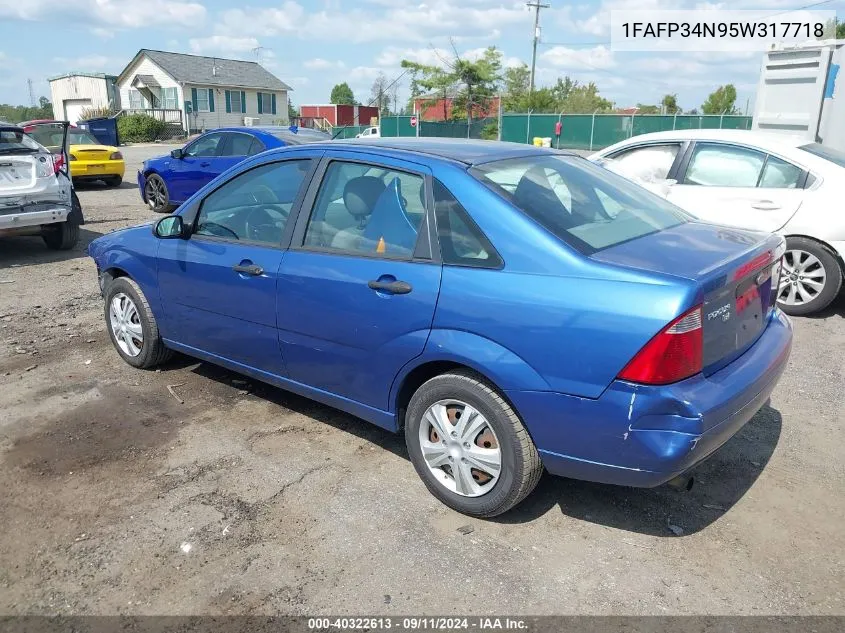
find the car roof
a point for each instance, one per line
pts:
(10, 127)
(764, 140)
(467, 151)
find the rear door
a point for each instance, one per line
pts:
(198, 166)
(739, 186)
(236, 147)
(357, 291)
(218, 288)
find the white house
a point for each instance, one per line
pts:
(72, 93)
(202, 93)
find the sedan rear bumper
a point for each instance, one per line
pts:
(24, 219)
(635, 435)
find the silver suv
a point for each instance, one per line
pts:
(36, 193)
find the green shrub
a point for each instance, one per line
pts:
(490, 132)
(139, 128)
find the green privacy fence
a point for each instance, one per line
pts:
(578, 131)
(594, 131)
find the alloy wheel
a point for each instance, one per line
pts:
(460, 448)
(802, 279)
(125, 321)
(155, 192)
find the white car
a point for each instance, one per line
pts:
(754, 180)
(370, 132)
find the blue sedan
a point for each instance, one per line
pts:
(507, 307)
(165, 182)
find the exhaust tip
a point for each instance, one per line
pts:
(684, 483)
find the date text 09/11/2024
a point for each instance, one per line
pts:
(431, 623)
(732, 30)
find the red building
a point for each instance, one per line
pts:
(439, 108)
(340, 115)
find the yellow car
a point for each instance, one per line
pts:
(89, 160)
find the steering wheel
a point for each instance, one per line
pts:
(217, 230)
(265, 218)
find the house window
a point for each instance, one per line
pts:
(265, 103)
(235, 96)
(171, 99)
(135, 100)
(202, 101)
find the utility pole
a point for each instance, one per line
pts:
(31, 93)
(536, 5)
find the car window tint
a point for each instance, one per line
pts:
(652, 162)
(362, 212)
(600, 208)
(461, 241)
(255, 205)
(724, 166)
(239, 145)
(256, 147)
(779, 174)
(208, 145)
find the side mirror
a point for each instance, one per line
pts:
(177, 153)
(169, 228)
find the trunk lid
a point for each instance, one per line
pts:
(18, 172)
(99, 153)
(735, 271)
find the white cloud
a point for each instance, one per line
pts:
(319, 63)
(223, 44)
(85, 63)
(565, 58)
(103, 33)
(112, 13)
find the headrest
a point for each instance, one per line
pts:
(360, 195)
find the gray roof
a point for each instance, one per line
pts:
(196, 69)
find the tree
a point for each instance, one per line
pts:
(670, 104)
(432, 79)
(515, 83)
(379, 95)
(647, 109)
(16, 114)
(582, 99)
(833, 28)
(293, 112)
(721, 101)
(342, 95)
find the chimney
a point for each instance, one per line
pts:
(213, 67)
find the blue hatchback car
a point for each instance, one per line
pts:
(165, 182)
(508, 307)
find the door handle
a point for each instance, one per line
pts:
(248, 269)
(393, 287)
(765, 205)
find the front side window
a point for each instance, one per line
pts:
(209, 145)
(461, 242)
(582, 204)
(714, 165)
(368, 210)
(254, 206)
(651, 162)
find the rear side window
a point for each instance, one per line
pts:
(584, 205)
(715, 165)
(461, 242)
(239, 145)
(649, 162)
(779, 174)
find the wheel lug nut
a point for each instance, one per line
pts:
(454, 434)
(466, 444)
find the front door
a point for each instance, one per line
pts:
(218, 288)
(199, 165)
(738, 186)
(358, 288)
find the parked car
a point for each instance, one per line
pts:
(370, 132)
(36, 193)
(760, 181)
(89, 159)
(166, 182)
(509, 307)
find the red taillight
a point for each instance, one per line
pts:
(674, 354)
(116, 156)
(58, 163)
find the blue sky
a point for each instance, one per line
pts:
(313, 44)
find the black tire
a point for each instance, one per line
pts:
(61, 236)
(153, 351)
(833, 277)
(521, 466)
(159, 204)
(114, 181)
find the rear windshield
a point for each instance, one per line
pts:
(833, 155)
(585, 205)
(17, 141)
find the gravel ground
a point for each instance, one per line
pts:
(118, 499)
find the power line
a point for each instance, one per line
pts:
(372, 101)
(536, 5)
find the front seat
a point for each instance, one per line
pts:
(359, 197)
